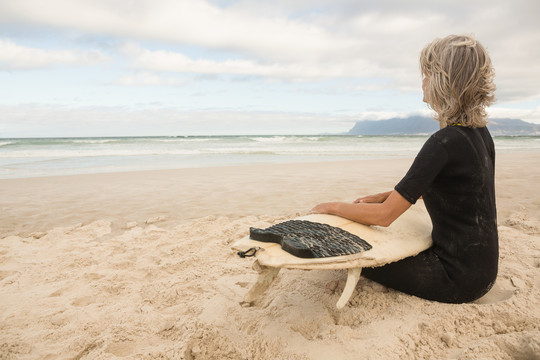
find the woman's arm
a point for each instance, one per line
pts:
(382, 214)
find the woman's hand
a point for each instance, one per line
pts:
(380, 209)
(377, 198)
(324, 208)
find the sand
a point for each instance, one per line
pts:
(139, 266)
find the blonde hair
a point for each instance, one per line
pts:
(460, 85)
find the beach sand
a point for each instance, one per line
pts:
(139, 266)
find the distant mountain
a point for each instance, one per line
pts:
(413, 125)
(421, 125)
(501, 127)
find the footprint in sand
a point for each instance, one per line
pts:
(7, 274)
(83, 301)
(121, 349)
(60, 291)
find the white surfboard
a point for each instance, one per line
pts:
(409, 235)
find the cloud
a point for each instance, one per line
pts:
(195, 22)
(13, 56)
(300, 39)
(35, 120)
(147, 79)
(530, 115)
(168, 61)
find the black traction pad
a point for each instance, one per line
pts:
(307, 239)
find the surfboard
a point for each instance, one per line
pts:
(409, 235)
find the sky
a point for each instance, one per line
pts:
(71, 68)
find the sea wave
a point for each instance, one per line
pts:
(185, 139)
(75, 155)
(287, 139)
(272, 139)
(91, 153)
(89, 141)
(218, 150)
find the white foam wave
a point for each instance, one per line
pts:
(287, 139)
(92, 141)
(273, 139)
(301, 149)
(72, 155)
(184, 140)
(92, 153)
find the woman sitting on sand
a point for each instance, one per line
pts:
(454, 174)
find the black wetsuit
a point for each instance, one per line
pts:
(454, 174)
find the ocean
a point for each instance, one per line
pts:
(21, 158)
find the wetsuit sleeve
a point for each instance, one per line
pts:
(425, 168)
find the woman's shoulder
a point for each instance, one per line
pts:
(457, 138)
(452, 134)
(445, 136)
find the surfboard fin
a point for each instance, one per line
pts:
(264, 280)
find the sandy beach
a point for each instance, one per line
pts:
(138, 266)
